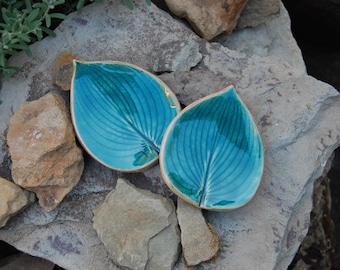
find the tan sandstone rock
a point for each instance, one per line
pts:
(199, 242)
(12, 200)
(46, 159)
(63, 70)
(208, 18)
(139, 228)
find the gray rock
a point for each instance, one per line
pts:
(66, 235)
(134, 225)
(257, 12)
(177, 56)
(297, 117)
(199, 241)
(271, 37)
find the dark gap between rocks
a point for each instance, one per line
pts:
(314, 26)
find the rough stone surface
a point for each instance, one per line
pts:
(134, 225)
(199, 241)
(297, 117)
(63, 70)
(12, 200)
(270, 37)
(209, 18)
(180, 57)
(46, 159)
(257, 12)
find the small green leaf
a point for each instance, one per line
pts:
(28, 52)
(80, 4)
(6, 76)
(24, 37)
(40, 5)
(2, 60)
(33, 15)
(58, 16)
(48, 20)
(33, 24)
(13, 53)
(148, 2)
(15, 40)
(16, 14)
(4, 16)
(26, 28)
(28, 5)
(15, 26)
(5, 26)
(17, 4)
(12, 69)
(129, 4)
(19, 46)
(48, 31)
(59, 2)
(38, 33)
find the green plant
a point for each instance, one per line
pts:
(130, 5)
(82, 3)
(25, 21)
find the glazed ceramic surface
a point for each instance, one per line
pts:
(212, 153)
(120, 113)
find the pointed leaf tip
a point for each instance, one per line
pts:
(212, 153)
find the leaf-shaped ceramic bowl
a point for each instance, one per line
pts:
(120, 113)
(212, 153)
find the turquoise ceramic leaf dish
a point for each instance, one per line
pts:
(120, 113)
(212, 153)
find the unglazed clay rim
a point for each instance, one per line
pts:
(165, 137)
(167, 88)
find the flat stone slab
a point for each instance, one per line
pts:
(297, 117)
(134, 225)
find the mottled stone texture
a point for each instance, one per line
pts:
(46, 159)
(209, 18)
(12, 200)
(178, 56)
(257, 12)
(139, 228)
(271, 36)
(199, 241)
